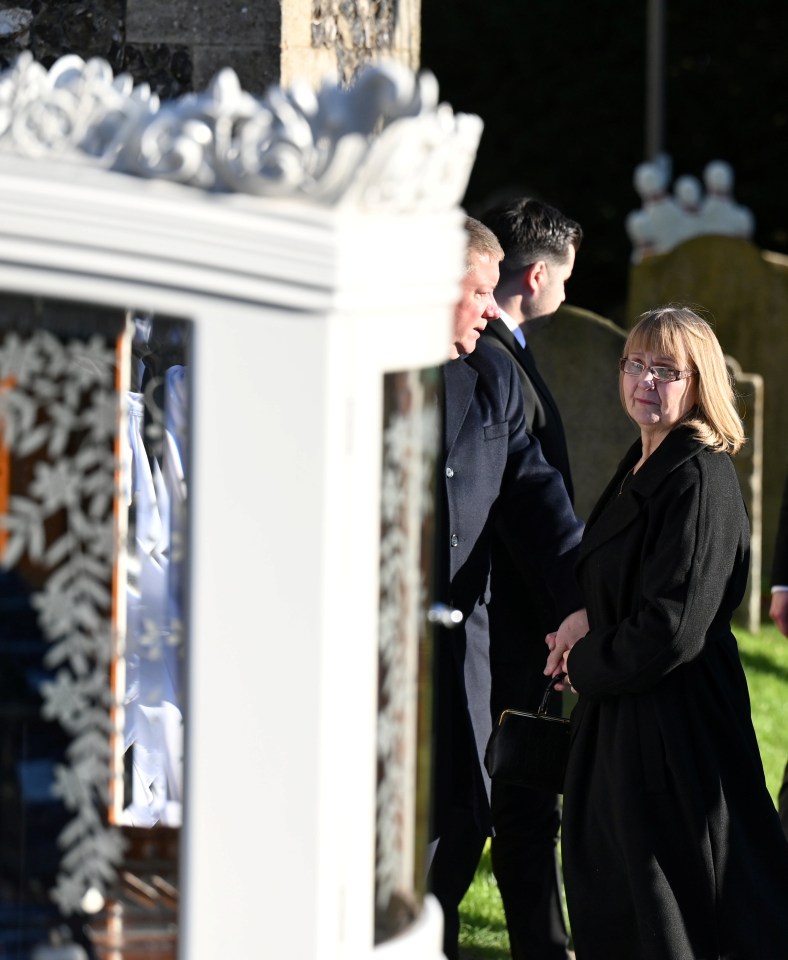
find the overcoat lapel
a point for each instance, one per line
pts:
(499, 329)
(678, 447)
(459, 382)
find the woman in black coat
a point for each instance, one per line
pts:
(672, 848)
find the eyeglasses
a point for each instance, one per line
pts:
(665, 374)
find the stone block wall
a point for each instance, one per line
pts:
(178, 46)
(243, 34)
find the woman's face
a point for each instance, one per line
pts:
(657, 404)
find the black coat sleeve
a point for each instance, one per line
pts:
(534, 514)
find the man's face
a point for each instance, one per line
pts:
(552, 292)
(477, 304)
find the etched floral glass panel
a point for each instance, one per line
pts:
(93, 461)
(411, 436)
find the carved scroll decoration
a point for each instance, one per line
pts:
(384, 143)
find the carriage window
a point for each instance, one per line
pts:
(93, 527)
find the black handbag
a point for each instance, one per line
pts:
(530, 749)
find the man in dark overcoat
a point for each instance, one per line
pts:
(539, 245)
(494, 474)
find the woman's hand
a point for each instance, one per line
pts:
(567, 682)
(561, 642)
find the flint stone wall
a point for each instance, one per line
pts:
(178, 46)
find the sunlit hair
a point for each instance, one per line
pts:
(679, 333)
(481, 241)
(530, 230)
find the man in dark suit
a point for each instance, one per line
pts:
(493, 472)
(778, 611)
(539, 245)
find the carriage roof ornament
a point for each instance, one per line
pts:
(384, 143)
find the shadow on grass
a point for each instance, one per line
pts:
(484, 953)
(763, 664)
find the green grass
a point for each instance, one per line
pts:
(765, 659)
(483, 933)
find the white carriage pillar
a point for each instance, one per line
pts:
(283, 714)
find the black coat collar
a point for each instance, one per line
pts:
(679, 446)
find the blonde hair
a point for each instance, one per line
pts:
(481, 241)
(677, 331)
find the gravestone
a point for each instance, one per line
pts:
(578, 353)
(749, 469)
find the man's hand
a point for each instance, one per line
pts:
(778, 611)
(571, 630)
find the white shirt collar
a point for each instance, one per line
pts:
(519, 336)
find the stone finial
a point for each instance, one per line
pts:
(687, 191)
(649, 181)
(664, 221)
(720, 214)
(654, 227)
